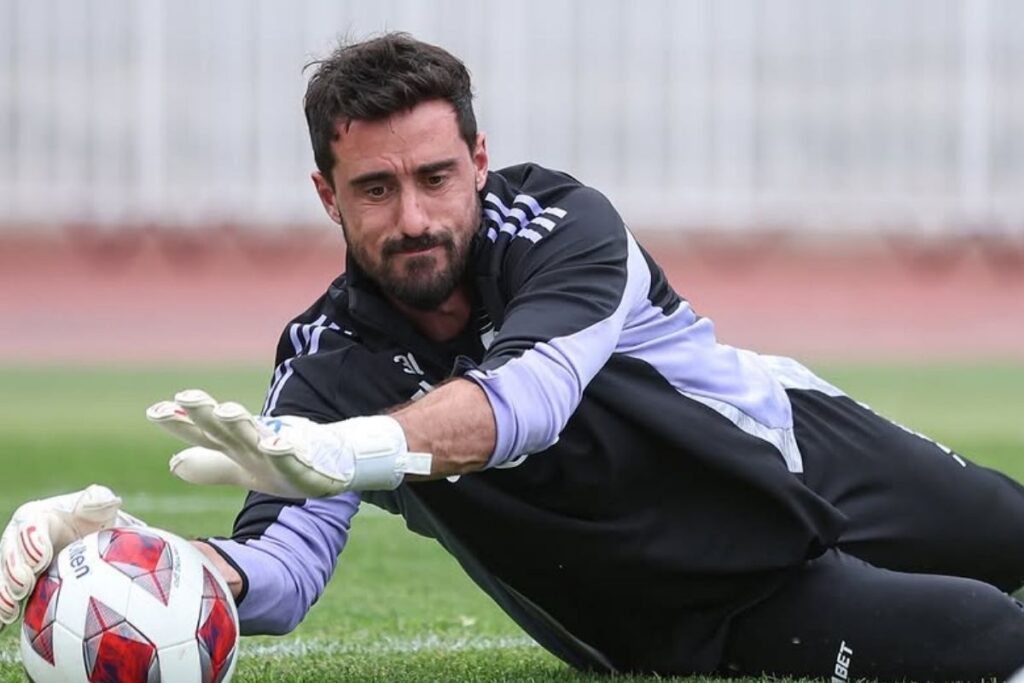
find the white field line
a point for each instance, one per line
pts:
(304, 647)
(298, 647)
(141, 504)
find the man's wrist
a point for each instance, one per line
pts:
(231, 575)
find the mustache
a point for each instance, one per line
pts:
(418, 243)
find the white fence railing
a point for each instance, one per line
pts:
(689, 113)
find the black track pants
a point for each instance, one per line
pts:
(911, 504)
(915, 588)
(842, 619)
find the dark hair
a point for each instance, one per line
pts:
(373, 79)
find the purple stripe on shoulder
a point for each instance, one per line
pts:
(683, 349)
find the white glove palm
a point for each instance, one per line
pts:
(40, 529)
(284, 456)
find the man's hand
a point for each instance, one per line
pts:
(42, 528)
(286, 456)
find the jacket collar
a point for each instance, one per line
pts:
(381, 324)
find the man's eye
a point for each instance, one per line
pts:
(376, 191)
(435, 180)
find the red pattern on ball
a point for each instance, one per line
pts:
(114, 650)
(216, 632)
(134, 549)
(146, 558)
(39, 613)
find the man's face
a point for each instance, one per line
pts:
(404, 191)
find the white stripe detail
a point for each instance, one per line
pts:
(496, 200)
(791, 375)
(514, 212)
(281, 371)
(783, 438)
(276, 391)
(794, 375)
(294, 334)
(314, 345)
(520, 215)
(311, 333)
(529, 201)
(278, 373)
(514, 220)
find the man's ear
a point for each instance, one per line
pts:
(325, 191)
(480, 160)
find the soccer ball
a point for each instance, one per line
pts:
(130, 604)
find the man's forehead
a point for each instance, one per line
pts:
(430, 124)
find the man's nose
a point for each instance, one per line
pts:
(412, 220)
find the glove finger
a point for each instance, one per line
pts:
(10, 608)
(16, 573)
(96, 507)
(202, 466)
(34, 543)
(209, 467)
(202, 409)
(237, 427)
(175, 420)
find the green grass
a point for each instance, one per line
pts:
(398, 609)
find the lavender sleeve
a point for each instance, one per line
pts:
(563, 323)
(285, 556)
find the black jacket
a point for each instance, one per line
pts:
(662, 489)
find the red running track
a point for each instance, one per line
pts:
(218, 298)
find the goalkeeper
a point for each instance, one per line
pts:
(504, 365)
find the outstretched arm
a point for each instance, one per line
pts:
(572, 292)
(455, 424)
(295, 457)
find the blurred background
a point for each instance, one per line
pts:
(837, 180)
(834, 180)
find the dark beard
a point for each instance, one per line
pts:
(417, 285)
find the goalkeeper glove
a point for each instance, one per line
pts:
(288, 456)
(40, 529)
